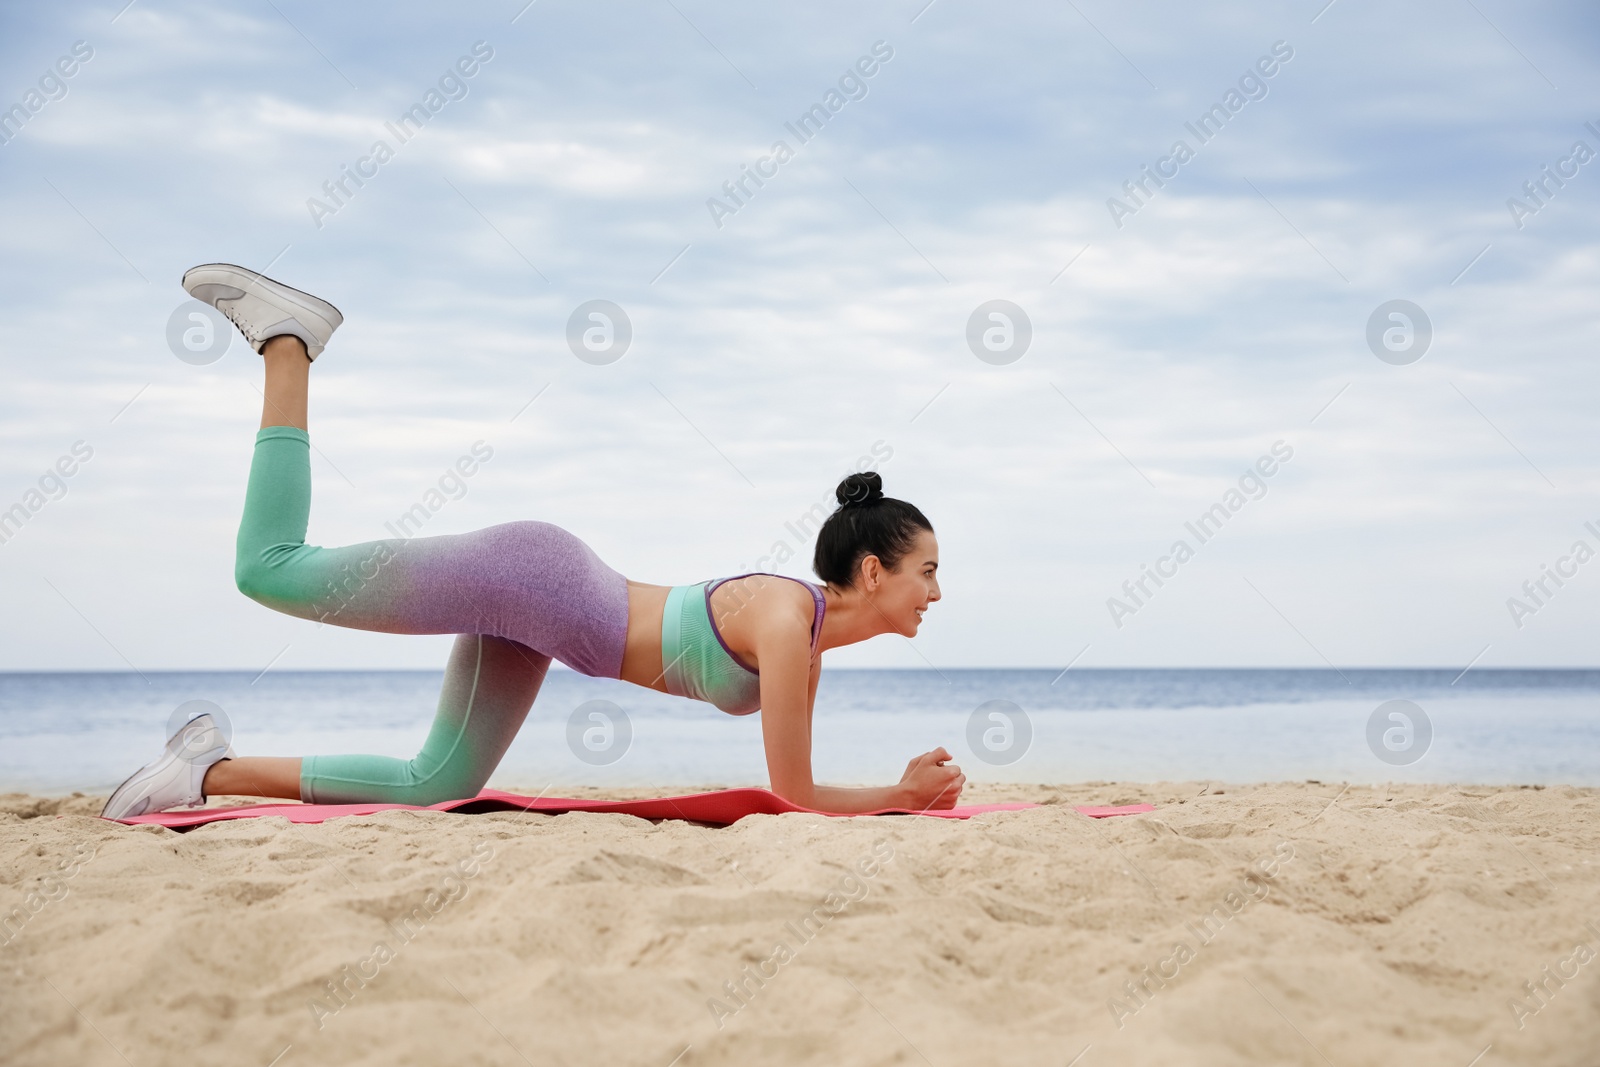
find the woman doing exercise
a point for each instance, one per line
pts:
(520, 594)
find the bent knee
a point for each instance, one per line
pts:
(254, 578)
(246, 578)
(280, 577)
(439, 789)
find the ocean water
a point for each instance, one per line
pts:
(61, 732)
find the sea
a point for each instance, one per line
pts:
(66, 732)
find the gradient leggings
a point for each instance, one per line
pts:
(517, 594)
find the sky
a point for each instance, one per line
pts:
(1181, 338)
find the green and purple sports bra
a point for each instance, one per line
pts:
(699, 664)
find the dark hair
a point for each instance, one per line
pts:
(866, 523)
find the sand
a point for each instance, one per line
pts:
(1275, 924)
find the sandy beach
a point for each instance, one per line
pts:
(1304, 923)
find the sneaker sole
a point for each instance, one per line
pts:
(123, 793)
(242, 278)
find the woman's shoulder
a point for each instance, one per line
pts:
(765, 592)
(755, 581)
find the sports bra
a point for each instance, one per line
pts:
(699, 664)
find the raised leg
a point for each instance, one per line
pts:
(530, 582)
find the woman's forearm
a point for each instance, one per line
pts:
(850, 801)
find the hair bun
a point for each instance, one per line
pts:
(858, 490)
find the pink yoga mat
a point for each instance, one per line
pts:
(721, 808)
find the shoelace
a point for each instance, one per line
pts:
(228, 311)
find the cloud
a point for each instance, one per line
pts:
(829, 311)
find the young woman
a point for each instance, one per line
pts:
(523, 593)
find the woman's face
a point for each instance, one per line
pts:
(904, 594)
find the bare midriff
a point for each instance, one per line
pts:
(641, 655)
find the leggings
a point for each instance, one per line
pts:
(516, 595)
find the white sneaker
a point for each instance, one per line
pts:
(263, 308)
(175, 779)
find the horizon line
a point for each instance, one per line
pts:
(558, 667)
